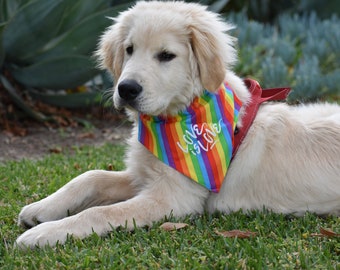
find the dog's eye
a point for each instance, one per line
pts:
(165, 56)
(129, 50)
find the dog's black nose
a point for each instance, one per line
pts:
(129, 90)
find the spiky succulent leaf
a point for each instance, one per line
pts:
(32, 27)
(57, 73)
(44, 33)
(9, 7)
(79, 10)
(81, 39)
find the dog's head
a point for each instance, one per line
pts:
(163, 54)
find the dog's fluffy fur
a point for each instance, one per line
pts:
(289, 162)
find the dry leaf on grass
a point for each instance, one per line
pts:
(236, 233)
(86, 135)
(171, 226)
(76, 166)
(326, 233)
(55, 150)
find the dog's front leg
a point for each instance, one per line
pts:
(89, 189)
(140, 211)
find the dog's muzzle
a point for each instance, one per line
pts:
(129, 90)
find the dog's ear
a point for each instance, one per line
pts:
(110, 53)
(211, 67)
(213, 48)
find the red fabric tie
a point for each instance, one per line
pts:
(258, 96)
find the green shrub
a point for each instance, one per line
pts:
(268, 11)
(299, 51)
(48, 44)
(46, 47)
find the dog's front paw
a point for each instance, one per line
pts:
(28, 216)
(31, 215)
(46, 234)
(39, 212)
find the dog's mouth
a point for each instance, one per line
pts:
(131, 95)
(121, 104)
(137, 105)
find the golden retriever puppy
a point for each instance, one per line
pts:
(172, 64)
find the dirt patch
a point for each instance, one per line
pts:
(39, 140)
(24, 136)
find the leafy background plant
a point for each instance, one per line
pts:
(287, 54)
(46, 48)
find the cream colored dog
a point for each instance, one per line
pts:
(162, 56)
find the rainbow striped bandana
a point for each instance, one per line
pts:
(197, 142)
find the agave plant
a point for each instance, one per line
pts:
(48, 44)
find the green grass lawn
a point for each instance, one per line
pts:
(281, 242)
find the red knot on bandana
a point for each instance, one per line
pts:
(197, 142)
